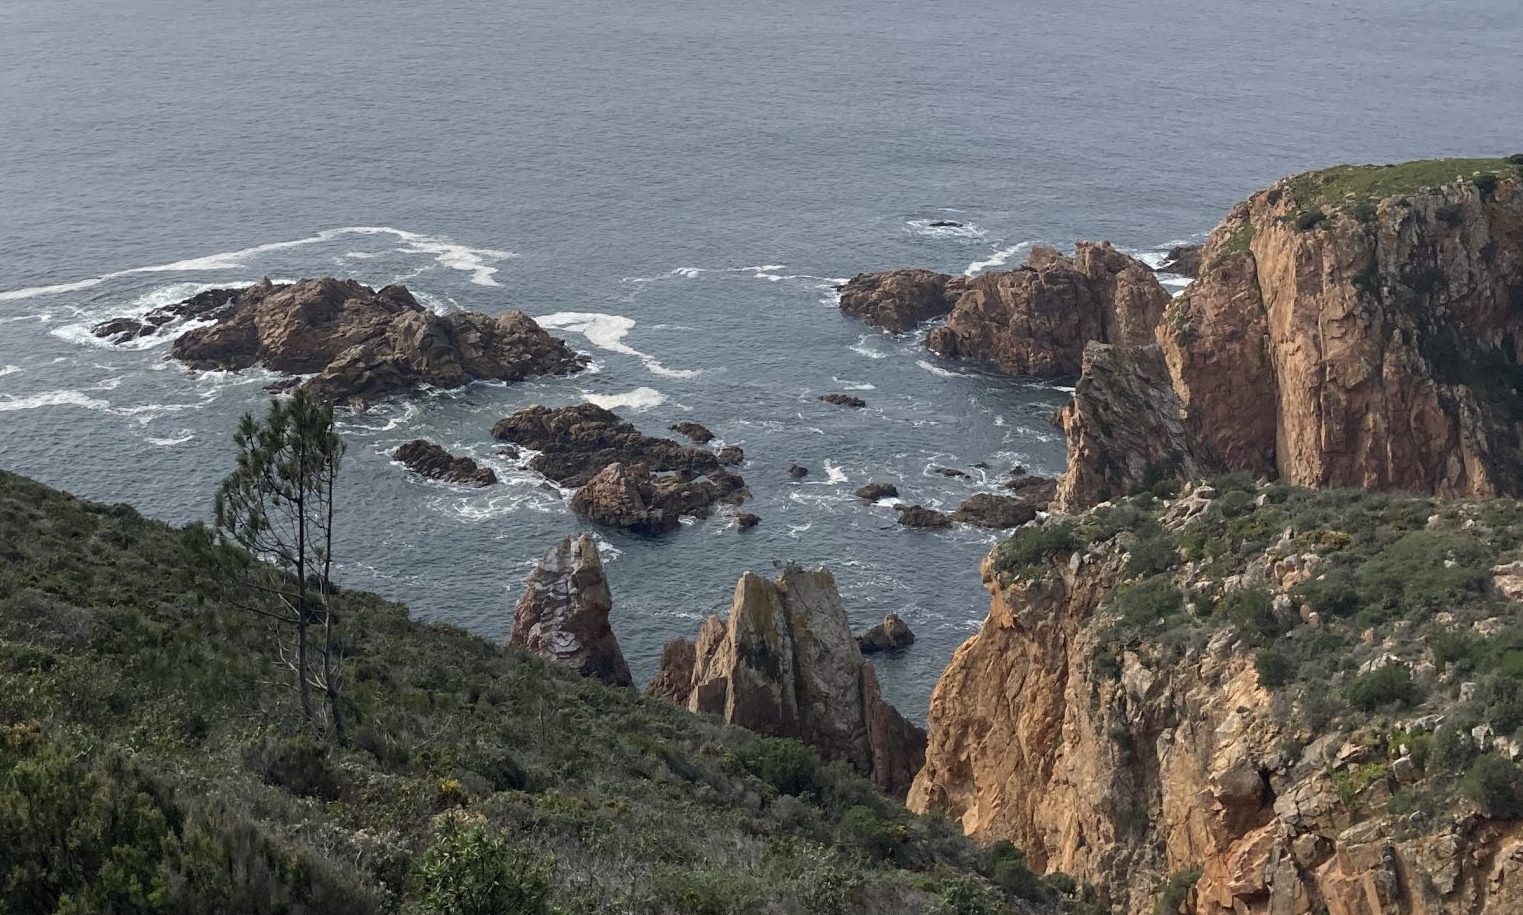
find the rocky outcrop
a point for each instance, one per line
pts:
(893, 634)
(427, 459)
(797, 471)
(203, 305)
(1124, 428)
(361, 345)
(1360, 327)
(994, 511)
(624, 478)
(1183, 260)
(1037, 319)
(1036, 491)
(698, 433)
(844, 400)
(785, 664)
(631, 497)
(922, 517)
(900, 300)
(674, 682)
(1131, 753)
(563, 613)
(874, 492)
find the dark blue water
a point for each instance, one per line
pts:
(689, 178)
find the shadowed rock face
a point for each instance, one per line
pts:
(785, 664)
(430, 460)
(363, 345)
(563, 614)
(625, 478)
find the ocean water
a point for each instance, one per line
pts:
(675, 187)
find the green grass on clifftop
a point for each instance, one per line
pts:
(150, 763)
(1344, 184)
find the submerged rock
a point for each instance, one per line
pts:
(563, 613)
(874, 492)
(363, 345)
(797, 471)
(922, 517)
(746, 520)
(430, 460)
(844, 400)
(893, 634)
(786, 664)
(203, 305)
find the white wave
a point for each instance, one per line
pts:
(638, 399)
(999, 258)
(458, 257)
(12, 402)
(957, 229)
(686, 273)
(854, 385)
(9, 370)
(938, 370)
(180, 439)
(607, 332)
(835, 473)
(999, 420)
(862, 348)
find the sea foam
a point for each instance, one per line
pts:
(607, 332)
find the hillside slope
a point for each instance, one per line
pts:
(147, 764)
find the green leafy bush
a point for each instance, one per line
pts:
(1274, 667)
(1173, 893)
(472, 870)
(1252, 611)
(786, 765)
(861, 830)
(297, 764)
(1497, 785)
(1451, 752)
(1332, 593)
(1148, 601)
(1034, 544)
(1389, 685)
(1426, 570)
(1007, 869)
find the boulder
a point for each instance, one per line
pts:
(922, 517)
(430, 460)
(797, 471)
(696, 432)
(899, 300)
(203, 305)
(844, 400)
(892, 634)
(362, 345)
(950, 472)
(746, 520)
(730, 456)
(987, 509)
(563, 614)
(1036, 491)
(785, 664)
(874, 492)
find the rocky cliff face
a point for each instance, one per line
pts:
(1362, 326)
(1228, 702)
(563, 614)
(360, 345)
(1036, 320)
(786, 664)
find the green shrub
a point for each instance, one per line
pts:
(1173, 893)
(1235, 504)
(1452, 750)
(1252, 611)
(1034, 544)
(1487, 185)
(1275, 669)
(1310, 219)
(1426, 570)
(861, 830)
(1151, 551)
(1147, 601)
(1384, 686)
(297, 764)
(471, 870)
(786, 765)
(1497, 785)
(1499, 699)
(1007, 869)
(964, 897)
(1457, 648)
(1332, 593)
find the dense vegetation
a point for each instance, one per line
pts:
(149, 763)
(1351, 185)
(1365, 613)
